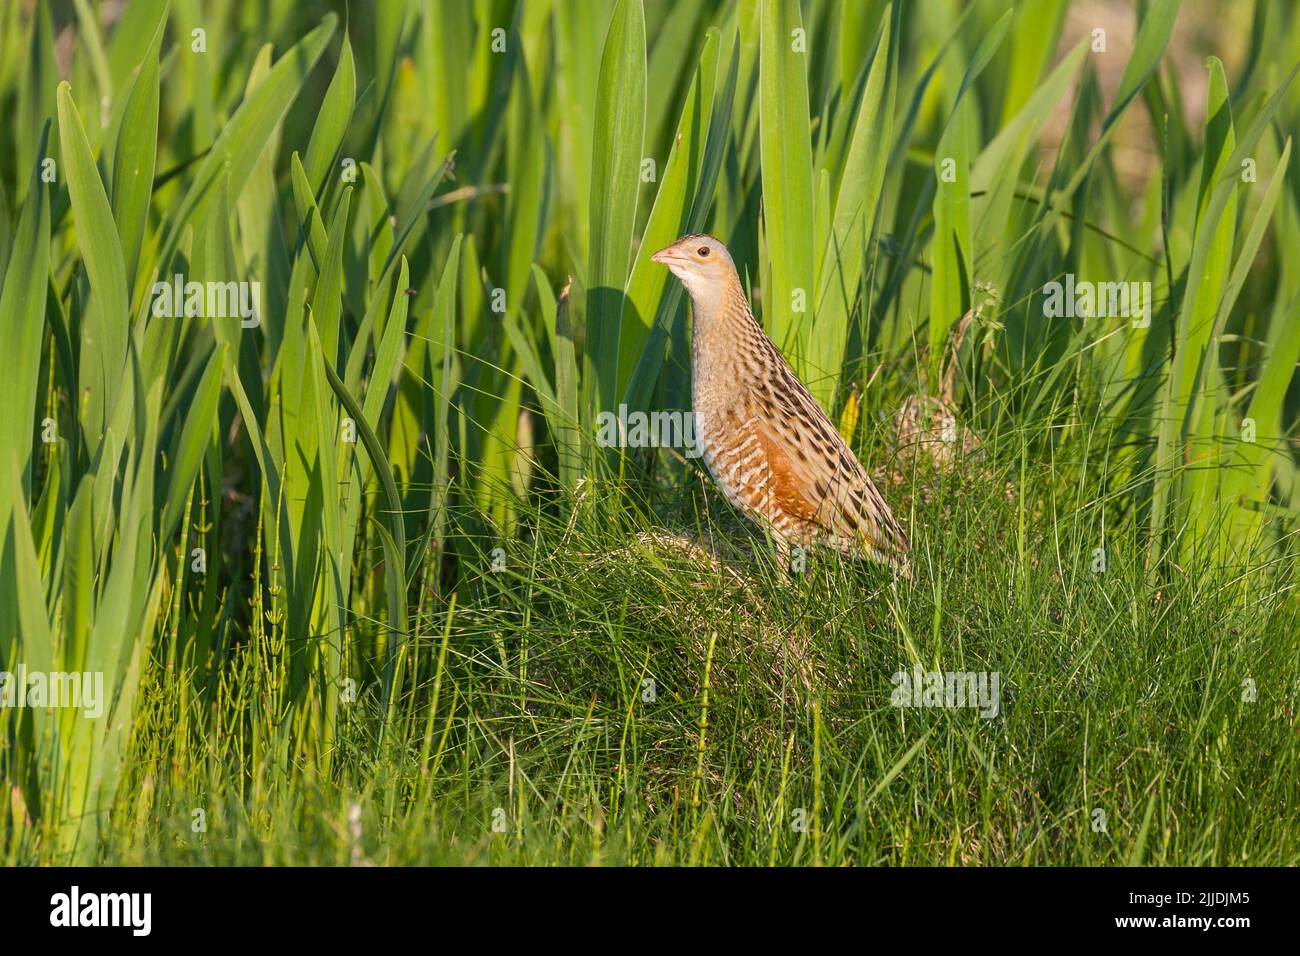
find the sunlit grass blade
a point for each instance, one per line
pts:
(857, 201)
(22, 319)
(106, 324)
(788, 214)
(333, 119)
(952, 257)
(133, 160)
(615, 182)
(651, 298)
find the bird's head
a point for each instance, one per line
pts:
(701, 262)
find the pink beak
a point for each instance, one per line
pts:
(667, 255)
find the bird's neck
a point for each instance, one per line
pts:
(723, 323)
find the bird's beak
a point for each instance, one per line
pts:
(667, 256)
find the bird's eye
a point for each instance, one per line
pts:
(703, 251)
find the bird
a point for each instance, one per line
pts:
(764, 439)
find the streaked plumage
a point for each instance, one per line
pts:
(765, 440)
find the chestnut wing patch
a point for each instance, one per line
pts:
(816, 480)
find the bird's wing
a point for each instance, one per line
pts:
(814, 476)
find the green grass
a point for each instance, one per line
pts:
(363, 588)
(529, 710)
